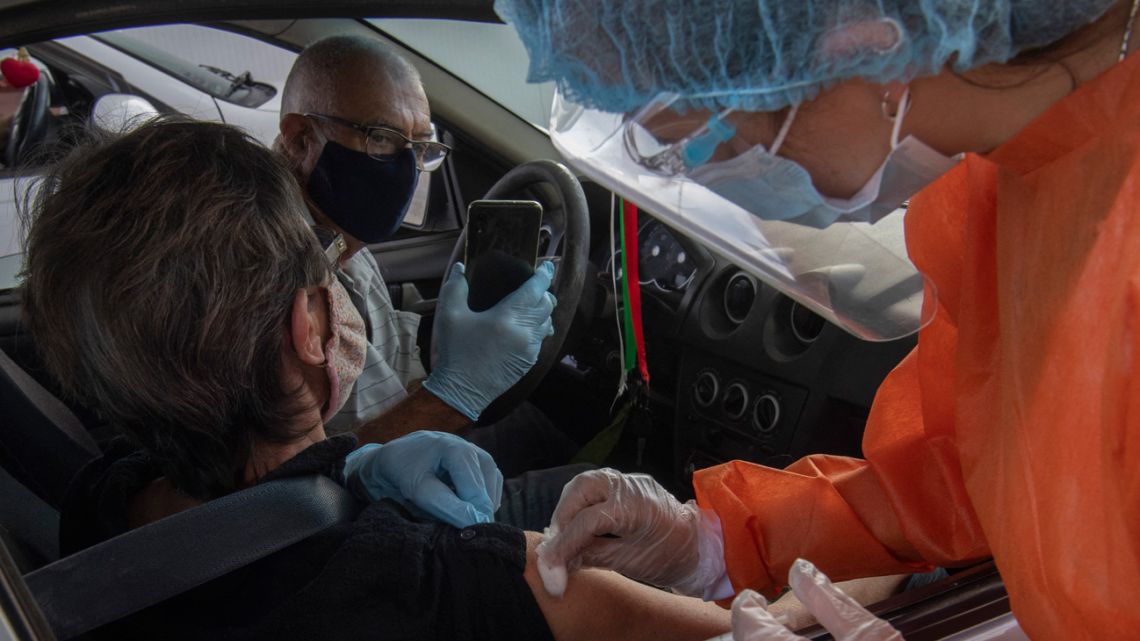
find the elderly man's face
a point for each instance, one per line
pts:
(378, 99)
(368, 95)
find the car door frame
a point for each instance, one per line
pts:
(20, 617)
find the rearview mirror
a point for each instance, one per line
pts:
(119, 113)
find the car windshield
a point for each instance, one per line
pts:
(489, 57)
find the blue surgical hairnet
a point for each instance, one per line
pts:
(763, 55)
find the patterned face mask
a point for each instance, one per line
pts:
(344, 352)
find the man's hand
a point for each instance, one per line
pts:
(438, 474)
(482, 354)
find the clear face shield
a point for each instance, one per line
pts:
(846, 260)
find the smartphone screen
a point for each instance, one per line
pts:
(502, 248)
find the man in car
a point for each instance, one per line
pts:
(356, 130)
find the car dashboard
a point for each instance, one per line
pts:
(737, 369)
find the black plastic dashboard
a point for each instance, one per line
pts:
(742, 371)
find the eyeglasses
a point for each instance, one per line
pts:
(383, 143)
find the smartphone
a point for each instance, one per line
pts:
(502, 248)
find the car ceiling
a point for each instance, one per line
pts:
(28, 21)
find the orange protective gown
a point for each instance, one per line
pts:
(1013, 428)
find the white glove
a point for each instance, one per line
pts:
(838, 613)
(629, 523)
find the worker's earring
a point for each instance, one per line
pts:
(890, 108)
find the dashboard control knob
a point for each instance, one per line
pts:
(735, 402)
(766, 413)
(706, 388)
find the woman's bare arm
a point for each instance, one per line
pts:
(865, 591)
(600, 605)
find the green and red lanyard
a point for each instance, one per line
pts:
(632, 329)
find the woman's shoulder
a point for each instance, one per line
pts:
(423, 579)
(96, 505)
(385, 574)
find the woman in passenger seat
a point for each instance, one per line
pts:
(172, 283)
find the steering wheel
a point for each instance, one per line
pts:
(565, 232)
(30, 124)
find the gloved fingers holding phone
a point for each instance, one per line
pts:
(495, 310)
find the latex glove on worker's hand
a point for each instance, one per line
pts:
(431, 473)
(838, 613)
(480, 355)
(629, 523)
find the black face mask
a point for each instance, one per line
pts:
(365, 197)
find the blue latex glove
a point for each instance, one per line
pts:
(482, 354)
(431, 473)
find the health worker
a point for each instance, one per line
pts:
(786, 135)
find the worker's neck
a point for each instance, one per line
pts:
(992, 104)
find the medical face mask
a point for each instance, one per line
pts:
(775, 188)
(366, 197)
(755, 209)
(344, 352)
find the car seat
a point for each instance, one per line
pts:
(43, 446)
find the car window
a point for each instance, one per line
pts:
(489, 57)
(177, 66)
(198, 54)
(227, 66)
(169, 64)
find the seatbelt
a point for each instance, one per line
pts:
(148, 565)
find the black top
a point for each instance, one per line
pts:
(383, 576)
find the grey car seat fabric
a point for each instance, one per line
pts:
(30, 526)
(42, 444)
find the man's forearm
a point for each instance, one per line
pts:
(421, 410)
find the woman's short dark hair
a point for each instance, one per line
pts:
(160, 271)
